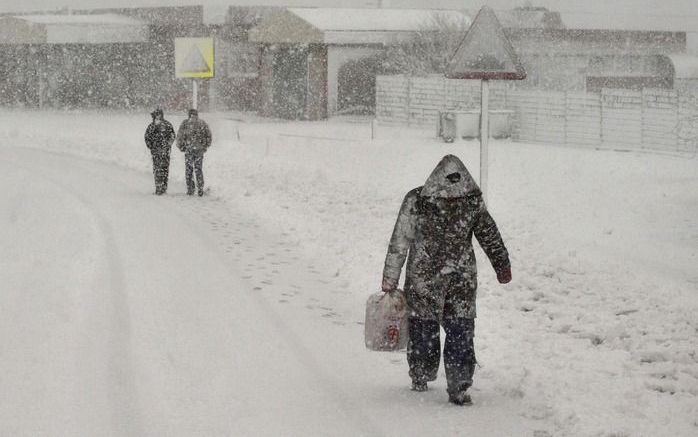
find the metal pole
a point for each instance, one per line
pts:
(195, 95)
(484, 136)
(41, 88)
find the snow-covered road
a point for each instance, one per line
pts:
(241, 313)
(129, 317)
(144, 329)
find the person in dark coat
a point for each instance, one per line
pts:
(194, 139)
(159, 136)
(433, 233)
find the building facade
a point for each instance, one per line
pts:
(295, 63)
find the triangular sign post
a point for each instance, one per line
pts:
(485, 53)
(194, 58)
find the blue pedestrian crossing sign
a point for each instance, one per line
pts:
(485, 52)
(194, 57)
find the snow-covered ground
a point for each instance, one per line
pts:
(240, 313)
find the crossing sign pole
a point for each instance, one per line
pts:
(486, 54)
(484, 135)
(194, 58)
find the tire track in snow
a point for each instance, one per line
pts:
(125, 416)
(121, 393)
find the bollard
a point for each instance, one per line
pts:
(374, 128)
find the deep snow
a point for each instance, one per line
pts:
(596, 335)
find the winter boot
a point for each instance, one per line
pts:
(419, 386)
(460, 398)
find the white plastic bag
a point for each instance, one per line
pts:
(385, 328)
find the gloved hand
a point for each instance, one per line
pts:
(504, 276)
(388, 285)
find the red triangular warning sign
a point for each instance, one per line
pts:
(485, 52)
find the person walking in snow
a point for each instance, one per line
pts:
(194, 139)
(159, 136)
(433, 233)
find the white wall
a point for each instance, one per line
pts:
(692, 43)
(95, 33)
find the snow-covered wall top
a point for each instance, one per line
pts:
(72, 29)
(347, 26)
(104, 19)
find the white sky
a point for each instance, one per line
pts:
(622, 14)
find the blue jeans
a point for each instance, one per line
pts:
(424, 351)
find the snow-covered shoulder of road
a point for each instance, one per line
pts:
(595, 336)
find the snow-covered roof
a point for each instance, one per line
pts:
(72, 29)
(685, 66)
(529, 18)
(348, 26)
(631, 21)
(91, 19)
(215, 13)
(393, 20)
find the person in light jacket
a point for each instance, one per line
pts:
(194, 139)
(433, 233)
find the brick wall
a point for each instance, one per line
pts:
(621, 119)
(416, 101)
(660, 118)
(687, 127)
(391, 99)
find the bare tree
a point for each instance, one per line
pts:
(429, 49)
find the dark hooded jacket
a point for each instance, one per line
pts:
(159, 136)
(433, 232)
(194, 136)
